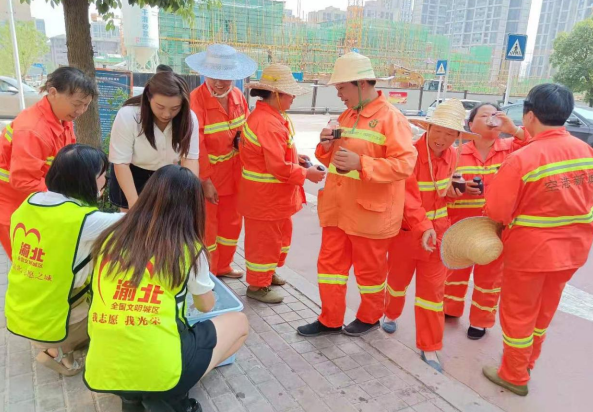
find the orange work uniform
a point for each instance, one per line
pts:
(28, 147)
(270, 191)
(487, 278)
(544, 193)
(361, 211)
(424, 209)
(219, 162)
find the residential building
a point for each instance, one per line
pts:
(327, 14)
(556, 16)
(432, 14)
(22, 11)
(383, 9)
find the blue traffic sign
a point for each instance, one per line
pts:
(441, 68)
(516, 47)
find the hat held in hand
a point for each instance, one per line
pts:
(475, 240)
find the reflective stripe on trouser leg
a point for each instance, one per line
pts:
(401, 270)
(229, 229)
(211, 234)
(263, 241)
(455, 289)
(552, 293)
(428, 305)
(487, 281)
(286, 240)
(369, 258)
(333, 265)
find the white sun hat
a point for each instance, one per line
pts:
(352, 67)
(278, 78)
(222, 62)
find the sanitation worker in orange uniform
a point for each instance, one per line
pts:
(543, 193)
(480, 158)
(361, 206)
(416, 248)
(271, 186)
(221, 110)
(29, 144)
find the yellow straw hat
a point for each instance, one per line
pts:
(449, 114)
(278, 78)
(475, 240)
(352, 67)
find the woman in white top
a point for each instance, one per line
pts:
(67, 215)
(150, 131)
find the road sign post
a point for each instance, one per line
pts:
(515, 51)
(441, 70)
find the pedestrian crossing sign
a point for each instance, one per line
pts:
(441, 69)
(516, 45)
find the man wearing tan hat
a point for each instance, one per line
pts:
(415, 249)
(360, 208)
(544, 194)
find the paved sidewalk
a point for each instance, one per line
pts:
(277, 370)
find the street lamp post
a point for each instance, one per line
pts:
(15, 52)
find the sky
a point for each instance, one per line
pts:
(54, 18)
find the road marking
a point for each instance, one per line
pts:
(577, 302)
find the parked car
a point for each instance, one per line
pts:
(9, 99)
(468, 105)
(579, 124)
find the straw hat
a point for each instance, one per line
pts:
(222, 62)
(449, 114)
(278, 78)
(475, 240)
(352, 67)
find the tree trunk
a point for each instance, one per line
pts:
(80, 55)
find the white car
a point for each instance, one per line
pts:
(468, 105)
(9, 99)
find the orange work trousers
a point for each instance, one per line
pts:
(339, 252)
(266, 246)
(223, 227)
(527, 305)
(5, 240)
(487, 280)
(430, 290)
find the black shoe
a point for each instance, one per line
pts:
(359, 328)
(185, 404)
(317, 328)
(475, 333)
(451, 317)
(131, 405)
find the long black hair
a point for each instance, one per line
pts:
(74, 172)
(168, 84)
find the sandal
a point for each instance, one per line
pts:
(58, 365)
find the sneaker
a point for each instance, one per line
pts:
(475, 333)
(435, 364)
(265, 295)
(491, 372)
(389, 326)
(277, 280)
(317, 328)
(359, 328)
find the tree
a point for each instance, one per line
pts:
(32, 46)
(80, 48)
(573, 58)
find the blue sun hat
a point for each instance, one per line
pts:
(222, 62)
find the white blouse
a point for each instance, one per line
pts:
(128, 146)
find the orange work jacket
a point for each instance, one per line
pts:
(219, 160)
(424, 207)
(543, 193)
(28, 147)
(271, 185)
(471, 165)
(369, 202)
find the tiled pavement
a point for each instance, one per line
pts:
(277, 370)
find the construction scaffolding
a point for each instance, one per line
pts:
(261, 29)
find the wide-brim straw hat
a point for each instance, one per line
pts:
(278, 78)
(475, 240)
(352, 67)
(449, 114)
(222, 62)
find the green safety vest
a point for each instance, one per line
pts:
(135, 332)
(40, 282)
